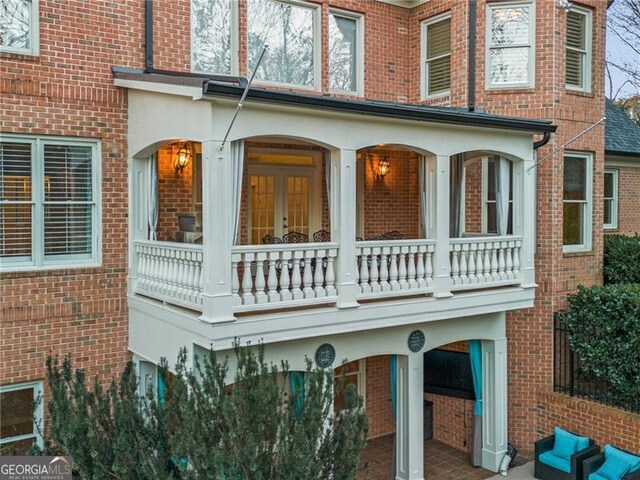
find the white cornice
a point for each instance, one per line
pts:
(404, 3)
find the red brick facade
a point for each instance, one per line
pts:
(628, 201)
(67, 90)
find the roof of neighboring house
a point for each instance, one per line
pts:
(622, 135)
(219, 86)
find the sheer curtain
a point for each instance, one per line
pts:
(422, 171)
(152, 200)
(237, 169)
(475, 355)
(455, 196)
(502, 183)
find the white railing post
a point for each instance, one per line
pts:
(525, 175)
(343, 228)
(437, 221)
(216, 233)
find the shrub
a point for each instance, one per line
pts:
(604, 331)
(621, 259)
(201, 428)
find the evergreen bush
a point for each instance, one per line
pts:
(621, 259)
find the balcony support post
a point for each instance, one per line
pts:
(343, 223)
(216, 233)
(437, 220)
(526, 175)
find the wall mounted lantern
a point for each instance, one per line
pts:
(183, 157)
(382, 168)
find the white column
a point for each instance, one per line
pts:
(437, 221)
(216, 233)
(494, 403)
(527, 208)
(138, 213)
(409, 420)
(343, 227)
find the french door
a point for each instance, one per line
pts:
(280, 202)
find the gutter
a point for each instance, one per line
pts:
(471, 41)
(543, 141)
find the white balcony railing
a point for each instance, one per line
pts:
(485, 262)
(395, 267)
(282, 276)
(171, 272)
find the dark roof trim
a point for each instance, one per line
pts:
(233, 87)
(622, 154)
(392, 110)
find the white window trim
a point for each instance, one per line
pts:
(359, 18)
(38, 414)
(233, 55)
(614, 200)
(587, 225)
(588, 54)
(38, 261)
(532, 46)
(34, 34)
(424, 70)
(317, 49)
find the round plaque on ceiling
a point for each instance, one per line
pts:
(325, 355)
(416, 341)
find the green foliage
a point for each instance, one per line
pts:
(621, 259)
(604, 329)
(205, 429)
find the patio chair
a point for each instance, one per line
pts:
(271, 240)
(295, 237)
(614, 463)
(393, 235)
(322, 236)
(560, 456)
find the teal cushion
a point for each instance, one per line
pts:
(548, 458)
(632, 460)
(564, 444)
(615, 466)
(581, 443)
(597, 476)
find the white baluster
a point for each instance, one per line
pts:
(296, 279)
(393, 270)
(374, 270)
(402, 270)
(364, 271)
(248, 297)
(285, 272)
(330, 276)
(235, 280)
(464, 278)
(318, 275)
(429, 265)
(501, 261)
(488, 253)
(455, 264)
(516, 260)
(479, 263)
(509, 261)
(272, 278)
(307, 278)
(421, 282)
(384, 270)
(260, 281)
(471, 264)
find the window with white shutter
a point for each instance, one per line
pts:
(578, 71)
(437, 56)
(48, 202)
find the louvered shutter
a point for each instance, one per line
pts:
(439, 56)
(16, 202)
(576, 48)
(69, 203)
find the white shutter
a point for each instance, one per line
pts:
(576, 48)
(439, 56)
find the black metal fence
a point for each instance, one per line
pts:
(568, 378)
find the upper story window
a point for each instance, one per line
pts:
(292, 31)
(577, 202)
(436, 56)
(510, 40)
(346, 65)
(21, 422)
(611, 199)
(49, 196)
(579, 49)
(211, 36)
(19, 26)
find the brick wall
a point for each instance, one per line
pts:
(378, 396)
(628, 201)
(452, 421)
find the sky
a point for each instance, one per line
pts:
(617, 49)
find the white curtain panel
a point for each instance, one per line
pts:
(422, 171)
(456, 195)
(152, 200)
(237, 169)
(327, 180)
(502, 194)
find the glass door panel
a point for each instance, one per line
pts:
(263, 207)
(298, 204)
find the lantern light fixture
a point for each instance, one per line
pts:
(183, 157)
(382, 168)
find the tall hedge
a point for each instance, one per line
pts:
(621, 259)
(604, 331)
